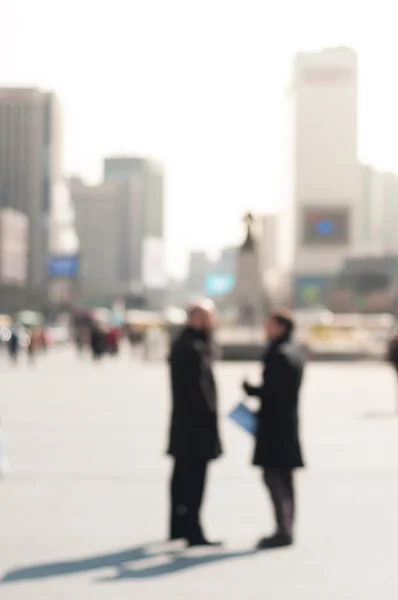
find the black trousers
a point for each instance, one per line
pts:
(281, 487)
(187, 490)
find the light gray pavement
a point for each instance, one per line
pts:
(84, 509)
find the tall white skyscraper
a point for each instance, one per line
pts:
(319, 222)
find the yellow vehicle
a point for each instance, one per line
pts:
(5, 321)
(350, 335)
(140, 320)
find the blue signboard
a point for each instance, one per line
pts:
(218, 284)
(63, 266)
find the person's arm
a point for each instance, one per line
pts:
(253, 390)
(275, 377)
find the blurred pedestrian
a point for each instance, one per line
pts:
(14, 344)
(79, 339)
(44, 339)
(393, 354)
(151, 342)
(112, 341)
(278, 450)
(98, 341)
(194, 436)
(135, 338)
(34, 343)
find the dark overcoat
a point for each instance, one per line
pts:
(392, 355)
(277, 440)
(194, 434)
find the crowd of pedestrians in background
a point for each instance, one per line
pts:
(32, 340)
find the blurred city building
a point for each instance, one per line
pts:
(247, 297)
(367, 280)
(120, 225)
(320, 216)
(102, 219)
(199, 267)
(365, 284)
(389, 216)
(221, 275)
(146, 231)
(371, 222)
(14, 246)
(63, 260)
(267, 241)
(63, 239)
(226, 262)
(177, 293)
(217, 277)
(379, 212)
(30, 166)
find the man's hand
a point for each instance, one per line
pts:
(247, 388)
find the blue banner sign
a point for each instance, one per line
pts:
(219, 284)
(63, 266)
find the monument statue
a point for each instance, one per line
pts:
(248, 295)
(248, 244)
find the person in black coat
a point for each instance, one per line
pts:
(14, 345)
(392, 354)
(98, 341)
(277, 449)
(194, 436)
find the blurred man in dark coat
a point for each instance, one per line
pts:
(98, 341)
(194, 437)
(14, 344)
(278, 449)
(392, 355)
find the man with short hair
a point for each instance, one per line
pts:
(194, 437)
(278, 449)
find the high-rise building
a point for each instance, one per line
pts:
(120, 229)
(371, 214)
(101, 223)
(227, 260)
(379, 212)
(389, 213)
(63, 239)
(14, 245)
(267, 241)
(199, 268)
(121, 168)
(30, 165)
(146, 236)
(319, 221)
(14, 237)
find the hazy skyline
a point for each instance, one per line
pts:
(198, 85)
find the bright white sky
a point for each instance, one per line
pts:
(198, 84)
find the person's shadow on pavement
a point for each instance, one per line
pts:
(377, 415)
(142, 562)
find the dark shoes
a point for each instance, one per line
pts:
(279, 540)
(196, 543)
(204, 543)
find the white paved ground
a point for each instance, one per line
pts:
(84, 511)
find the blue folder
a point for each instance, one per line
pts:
(244, 417)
